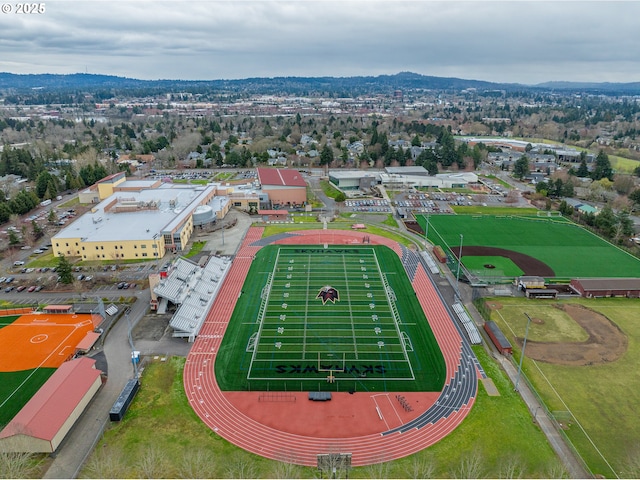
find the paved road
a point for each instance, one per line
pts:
(115, 358)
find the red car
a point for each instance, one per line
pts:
(20, 288)
(31, 288)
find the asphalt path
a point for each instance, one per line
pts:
(114, 356)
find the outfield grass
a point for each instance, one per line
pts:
(602, 398)
(567, 248)
(26, 383)
(293, 328)
(161, 437)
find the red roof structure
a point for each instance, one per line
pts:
(45, 420)
(282, 177)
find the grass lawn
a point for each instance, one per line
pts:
(499, 180)
(70, 203)
(195, 249)
(480, 210)
(276, 229)
(161, 437)
(328, 189)
(597, 403)
(42, 260)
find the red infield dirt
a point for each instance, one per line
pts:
(287, 426)
(42, 340)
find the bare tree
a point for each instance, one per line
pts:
(470, 465)
(196, 464)
(511, 466)
(240, 465)
(152, 463)
(556, 470)
(378, 470)
(421, 467)
(105, 463)
(286, 466)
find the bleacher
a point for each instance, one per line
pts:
(193, 288)
(433, 267)
(320, 396)
(467, 323)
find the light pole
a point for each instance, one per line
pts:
(426, 233)
(134, 357)
(524, 345)
(459, 262)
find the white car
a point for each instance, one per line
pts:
(38, 251)
(26, 247)
(18, 263)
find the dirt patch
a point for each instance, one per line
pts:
(529, 265)
(606, 342)
(493, 305)
(538, 321)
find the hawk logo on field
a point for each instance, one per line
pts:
(328, 293)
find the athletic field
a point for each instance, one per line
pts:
(32, 347)
(545, 246)
(336, 318)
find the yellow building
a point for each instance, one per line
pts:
(141, 219)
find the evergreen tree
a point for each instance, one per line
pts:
(583, 171)
(521, 167)
(64, 270)
(603, 167)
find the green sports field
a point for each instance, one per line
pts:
(568, 249)
(337, 318)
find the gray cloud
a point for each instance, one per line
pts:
(517, 41)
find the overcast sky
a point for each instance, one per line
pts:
(509, 41)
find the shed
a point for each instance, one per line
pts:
(497, 337)
(541, 293)
(57, 309)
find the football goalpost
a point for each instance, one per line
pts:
(332, 365)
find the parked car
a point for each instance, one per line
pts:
(9, 279)
(2, 279)
(25, 247)
(18, 263)
(38, 288)
(32, 288)
(38, 251)
(80, 277)
(21, 288)
(120, 285)
(88, 278)
(8, 289)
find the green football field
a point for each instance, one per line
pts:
(570, 250)
(337, 318)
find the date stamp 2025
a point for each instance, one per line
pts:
(23, 8)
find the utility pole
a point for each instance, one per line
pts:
(524, 345)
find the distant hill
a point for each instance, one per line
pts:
(335, 86)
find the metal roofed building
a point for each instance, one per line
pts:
(46, 419)
(193, 288)
(285, 187)
(141, 224)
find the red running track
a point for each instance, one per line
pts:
(242, 427)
